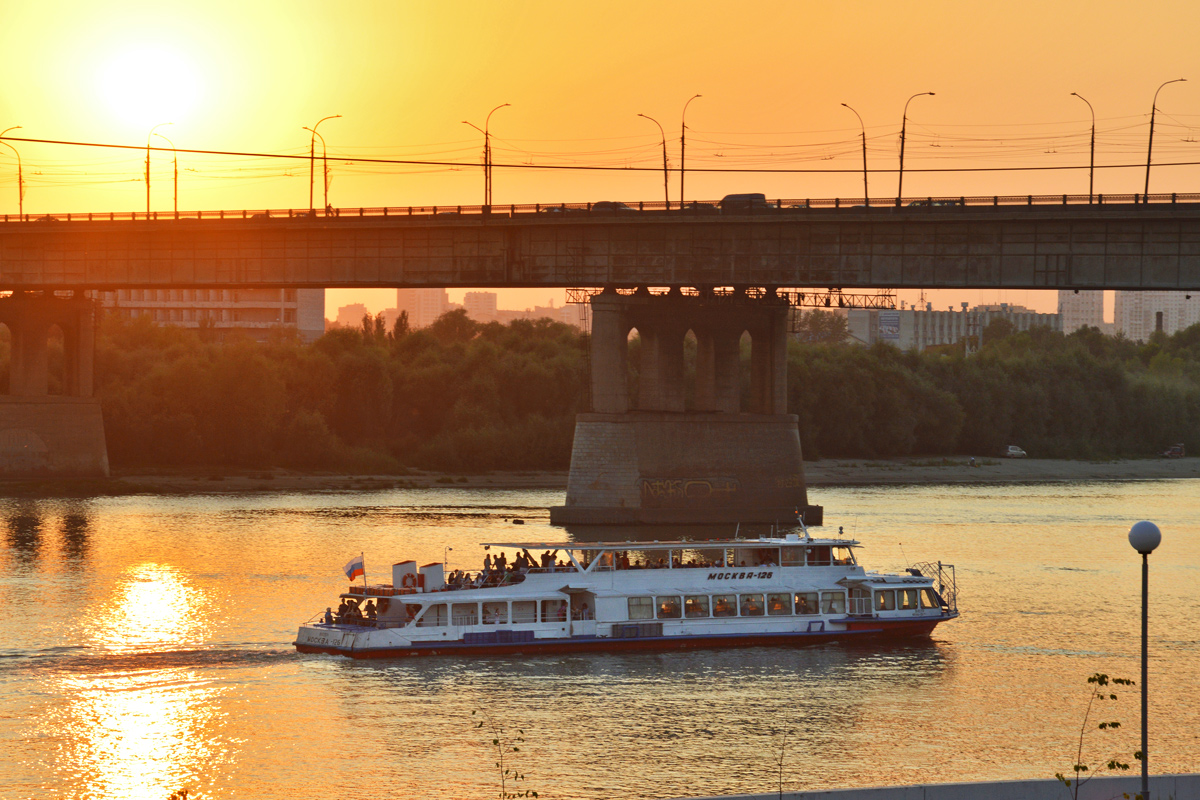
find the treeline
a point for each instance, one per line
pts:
(461, 396)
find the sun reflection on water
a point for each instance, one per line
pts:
(153, 607)
(138, 735)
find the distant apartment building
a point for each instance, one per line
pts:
(351, 316)
(480, 306)
(423, 305)
(916, 329)
(1080, 309)
(1140, 314)
(254, 312)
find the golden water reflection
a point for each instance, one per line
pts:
(131, 735)
(153, 606)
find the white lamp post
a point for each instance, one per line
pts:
(1144, 537)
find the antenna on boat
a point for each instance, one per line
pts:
(902, 553)
(736, 529)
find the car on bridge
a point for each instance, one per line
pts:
(610, 207)
(1012, 451)
(1174, 451)
(754, 201)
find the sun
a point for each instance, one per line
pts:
(144, 85)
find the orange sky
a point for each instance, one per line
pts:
(403, 75)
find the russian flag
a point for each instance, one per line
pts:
(355, 568)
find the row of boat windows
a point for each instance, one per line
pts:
(710, 558)
(692, 606)
(703, 606)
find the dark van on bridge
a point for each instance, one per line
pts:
(735, 203)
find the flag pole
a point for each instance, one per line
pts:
(363, 556)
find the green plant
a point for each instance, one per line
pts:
(505, 746)
(1097, 692)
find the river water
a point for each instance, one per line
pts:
(146, 648)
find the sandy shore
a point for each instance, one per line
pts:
(828, 472)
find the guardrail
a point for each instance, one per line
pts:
(609, 209)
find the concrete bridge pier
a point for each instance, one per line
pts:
(44, 434)
(663, 460)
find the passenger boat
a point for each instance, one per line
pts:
(614, 596)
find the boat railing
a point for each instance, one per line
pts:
(944, 581)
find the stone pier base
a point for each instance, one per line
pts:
(649, 467)
(52, 436)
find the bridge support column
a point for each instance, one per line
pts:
(656, 462)
(44, 434)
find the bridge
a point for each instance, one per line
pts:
(1046, 242)
(717, 271)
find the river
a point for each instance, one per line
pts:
(147, 647)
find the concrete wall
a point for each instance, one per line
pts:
(1154, 246)
(52, 436)
(1162, 787)
(662, 467)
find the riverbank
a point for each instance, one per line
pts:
(828, 472)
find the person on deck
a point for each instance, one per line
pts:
(328, 616)
(371, 610)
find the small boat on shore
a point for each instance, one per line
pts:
(613, 596)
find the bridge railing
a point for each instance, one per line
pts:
(613, 209)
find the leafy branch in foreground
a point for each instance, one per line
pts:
(505, 746)
(1097, 693)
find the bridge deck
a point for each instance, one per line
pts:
(1030, 246)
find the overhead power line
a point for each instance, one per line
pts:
(592, 167)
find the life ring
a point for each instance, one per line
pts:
(409, 581)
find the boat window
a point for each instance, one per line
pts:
(724, 605)
(695, 606)
(818, 555)
(554, 610)
(464, 613)
(843, 556)
(524, 611)
(779, 604)
(907, 598)
(641, 608)
(833, 602)
(792, 557)
(668, 607)
(806, 602)
(752, 605)
(495, 613)
(435, 616)
(929, 598)
(860, 601)
(885, 600)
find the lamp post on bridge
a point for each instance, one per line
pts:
(20, 174)
(866, 196)
(666, 190)
(175, 154)
(150, 136)
(312, 158)
(324, 175)
(1150, 146)
(683, 146)
(903, 126)
(1144, 537)
(487, 154)
(1092, 159)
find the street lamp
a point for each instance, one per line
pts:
(1092, 160)
(666, 192)
(150, 136)
(683, 146)
(312, 157)
(866, 197)
(1144, 537)
(487, 154)
(174, 153)
(20, 175)
(1150, 146)
(903, 126)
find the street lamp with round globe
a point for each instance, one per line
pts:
(1144, 536)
